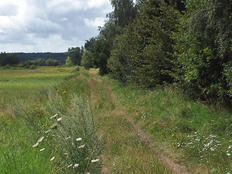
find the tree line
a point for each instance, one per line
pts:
(157, 42)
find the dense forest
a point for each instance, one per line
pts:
(61, 57)
(151, 43)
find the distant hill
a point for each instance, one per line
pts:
(61, 57)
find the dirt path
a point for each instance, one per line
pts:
(176, 168)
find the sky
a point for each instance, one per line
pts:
(49, 25)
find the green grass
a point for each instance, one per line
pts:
(189, 132)
(124, 151)
(28, 99)
(25, 83)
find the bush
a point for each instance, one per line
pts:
(86, 60)
(32, 67)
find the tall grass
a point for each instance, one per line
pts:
(34, 143)
(124, 152)
(189, 132)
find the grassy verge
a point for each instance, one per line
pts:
(124, 151)
(46, 124)
(189, 132)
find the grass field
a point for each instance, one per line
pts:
(89, 127)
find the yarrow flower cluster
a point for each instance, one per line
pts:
(75, 165)
(53, 116)
(39, 141)
(59, 119)
(94, 160)
(82, 146)
(78, 139)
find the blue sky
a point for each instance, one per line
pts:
(49, 25)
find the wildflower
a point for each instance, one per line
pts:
(212, 149)
(65, 153)
(64, 92)
(42, 149)
(95, 160)
(52, 158)
(43, 126)
(75, 165)
(173, 144)
(35, 145)
(67, 138)
(57, 90)
(70, 165)
(53, 116)
(40, 140)
(173, 135)
(59, 119)
(87, 173)
(87, 158)
(228, 154)
(153, 166)
(47, 131)
(82, 146)
(78, 139)
(229, 146)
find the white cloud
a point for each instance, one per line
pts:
(94, 23)
(49, 25)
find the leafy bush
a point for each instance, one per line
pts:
(204, 49)
(86, 60)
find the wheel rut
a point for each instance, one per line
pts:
(176, 168)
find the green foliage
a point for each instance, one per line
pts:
(89, 44)
(203, 48)
(101, 53)
(86, 60)
(188, 131)
(141, 56)
(44, 56)
(51, 62)
(68, 62)
(11, 59)
(32, 67)
(75, 136)
(124, 12)
(40, 62)
(75, 55)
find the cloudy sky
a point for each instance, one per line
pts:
(49, 25)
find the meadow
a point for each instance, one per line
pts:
(69, 120)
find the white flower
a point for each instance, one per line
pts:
(78, 139)
(70, 165)
(52, 158)
(40, 140)
(47, 131)
(35, 145)
(67, 138)
(53, 116)
(75, 165)
(87, 173)
(82, 146)
(212, 149)
(42, 149)
(59, 119)
(229, 146)
(228, 154)
(95, 160)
